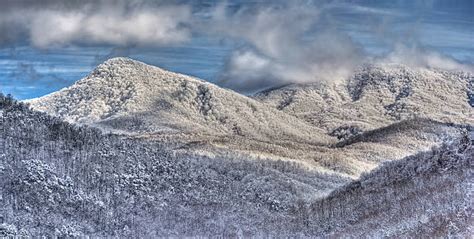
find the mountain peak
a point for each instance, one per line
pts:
(120, 66)
(377, 95)
(120, 60)
(127, 95)
(127, 72)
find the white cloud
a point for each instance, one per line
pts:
(279, 42)
(121, 24)
(283, 47)
(418, 57)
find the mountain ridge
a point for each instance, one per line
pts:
(189, 114)
(378, 95)
(66, 180)
(141, 151)
(126, 95)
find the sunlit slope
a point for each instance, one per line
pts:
(126, 95)
(379, 95)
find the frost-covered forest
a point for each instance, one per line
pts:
(135, 151)
(128, 97)
(427, 194)
(65, 180)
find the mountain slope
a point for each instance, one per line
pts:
(377, 96)
(129, 96)
(62, 180)
(425, 195)
(124, 95)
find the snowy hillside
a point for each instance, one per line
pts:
(63, 180)
(425, 195)
(135, 150)
(150, 103)
(378, 95)
(130, 96)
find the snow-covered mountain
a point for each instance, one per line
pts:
(63, 180)
(428, 194)
(136, 150)
(130, 96)
(377, 96)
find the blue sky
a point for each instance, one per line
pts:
(243, 45)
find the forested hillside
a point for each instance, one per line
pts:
(348, 136)
(60, 179)
(425, 195)
(128, 96)
(379, 95)
(66, 180)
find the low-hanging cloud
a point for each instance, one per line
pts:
(117, 23)
(283, 45)
(417, 56)
(298, 43)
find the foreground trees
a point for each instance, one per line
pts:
(58, 179)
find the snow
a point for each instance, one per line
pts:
(62, 180)
(129, 97)
(152, 153)
(123, 94)
(377, 96)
